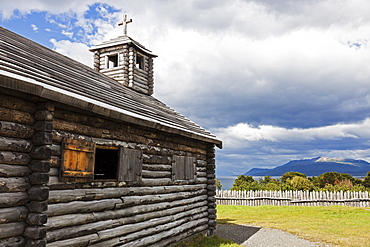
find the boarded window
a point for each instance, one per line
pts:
(130, 165)
(183, 167)
(77, 161)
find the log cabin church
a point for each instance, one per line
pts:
(89, 158)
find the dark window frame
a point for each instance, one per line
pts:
(78, 162)
(112, 61)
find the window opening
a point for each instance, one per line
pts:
(106, 163)
(139, 61)
(113, 61)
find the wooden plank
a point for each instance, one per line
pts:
(78, 161)
(178, 163)
(130, 165)
(189, 167)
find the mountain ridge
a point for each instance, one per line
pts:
(315, 167)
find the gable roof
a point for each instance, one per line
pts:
(31, 68)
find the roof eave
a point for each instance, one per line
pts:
(16, 82)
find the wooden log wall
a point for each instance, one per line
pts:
(155, 212)
(16, 132)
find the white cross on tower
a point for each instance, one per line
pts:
(124, 23)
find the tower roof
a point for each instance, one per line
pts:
(121, 40)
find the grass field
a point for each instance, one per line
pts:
(202, 241)
(339, 225)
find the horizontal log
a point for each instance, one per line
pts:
(202, 163)
(18, 241)
(155, 210)
(15, 130)
(201, 174)
(183, 235)
(156, 174)
(159, 227)
(12, 229)
(141, 72)
(13, 199)
(82, 207)
(105, 193)
(14, 184)
(157, 167)
(156, 159)
(13, 214)
(105, 204)
(202, 180)
(14, 171)
(17, 103)
(156, 182)
(201, 169)
(146, 237)
(147, 199)
(75, 242)
(17, 145)
(16, 116)
(14, 158)
(54, 172)
(78, 230)
(160, 224)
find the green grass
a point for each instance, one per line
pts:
(339, 225)
(202, 241)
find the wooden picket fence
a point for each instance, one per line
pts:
(293, 198)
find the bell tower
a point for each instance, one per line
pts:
(126, 61)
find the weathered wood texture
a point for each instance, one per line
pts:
(16, 130)
(111, 213)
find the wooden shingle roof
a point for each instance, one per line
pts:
(31, 68)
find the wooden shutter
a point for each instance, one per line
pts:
(130, 165)
(183, 167)
(189, 168)
(78, 160)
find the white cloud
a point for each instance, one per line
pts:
(242, 133)
(77, 51)
(276, 72)
(34, 28)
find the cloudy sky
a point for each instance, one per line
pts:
(275, 80)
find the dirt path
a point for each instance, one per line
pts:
(261, 237)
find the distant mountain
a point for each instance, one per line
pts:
(315, 167)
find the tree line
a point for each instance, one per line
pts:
(328, 181)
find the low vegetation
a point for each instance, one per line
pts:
(203, 241)
(338, 225)
(328, 181)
